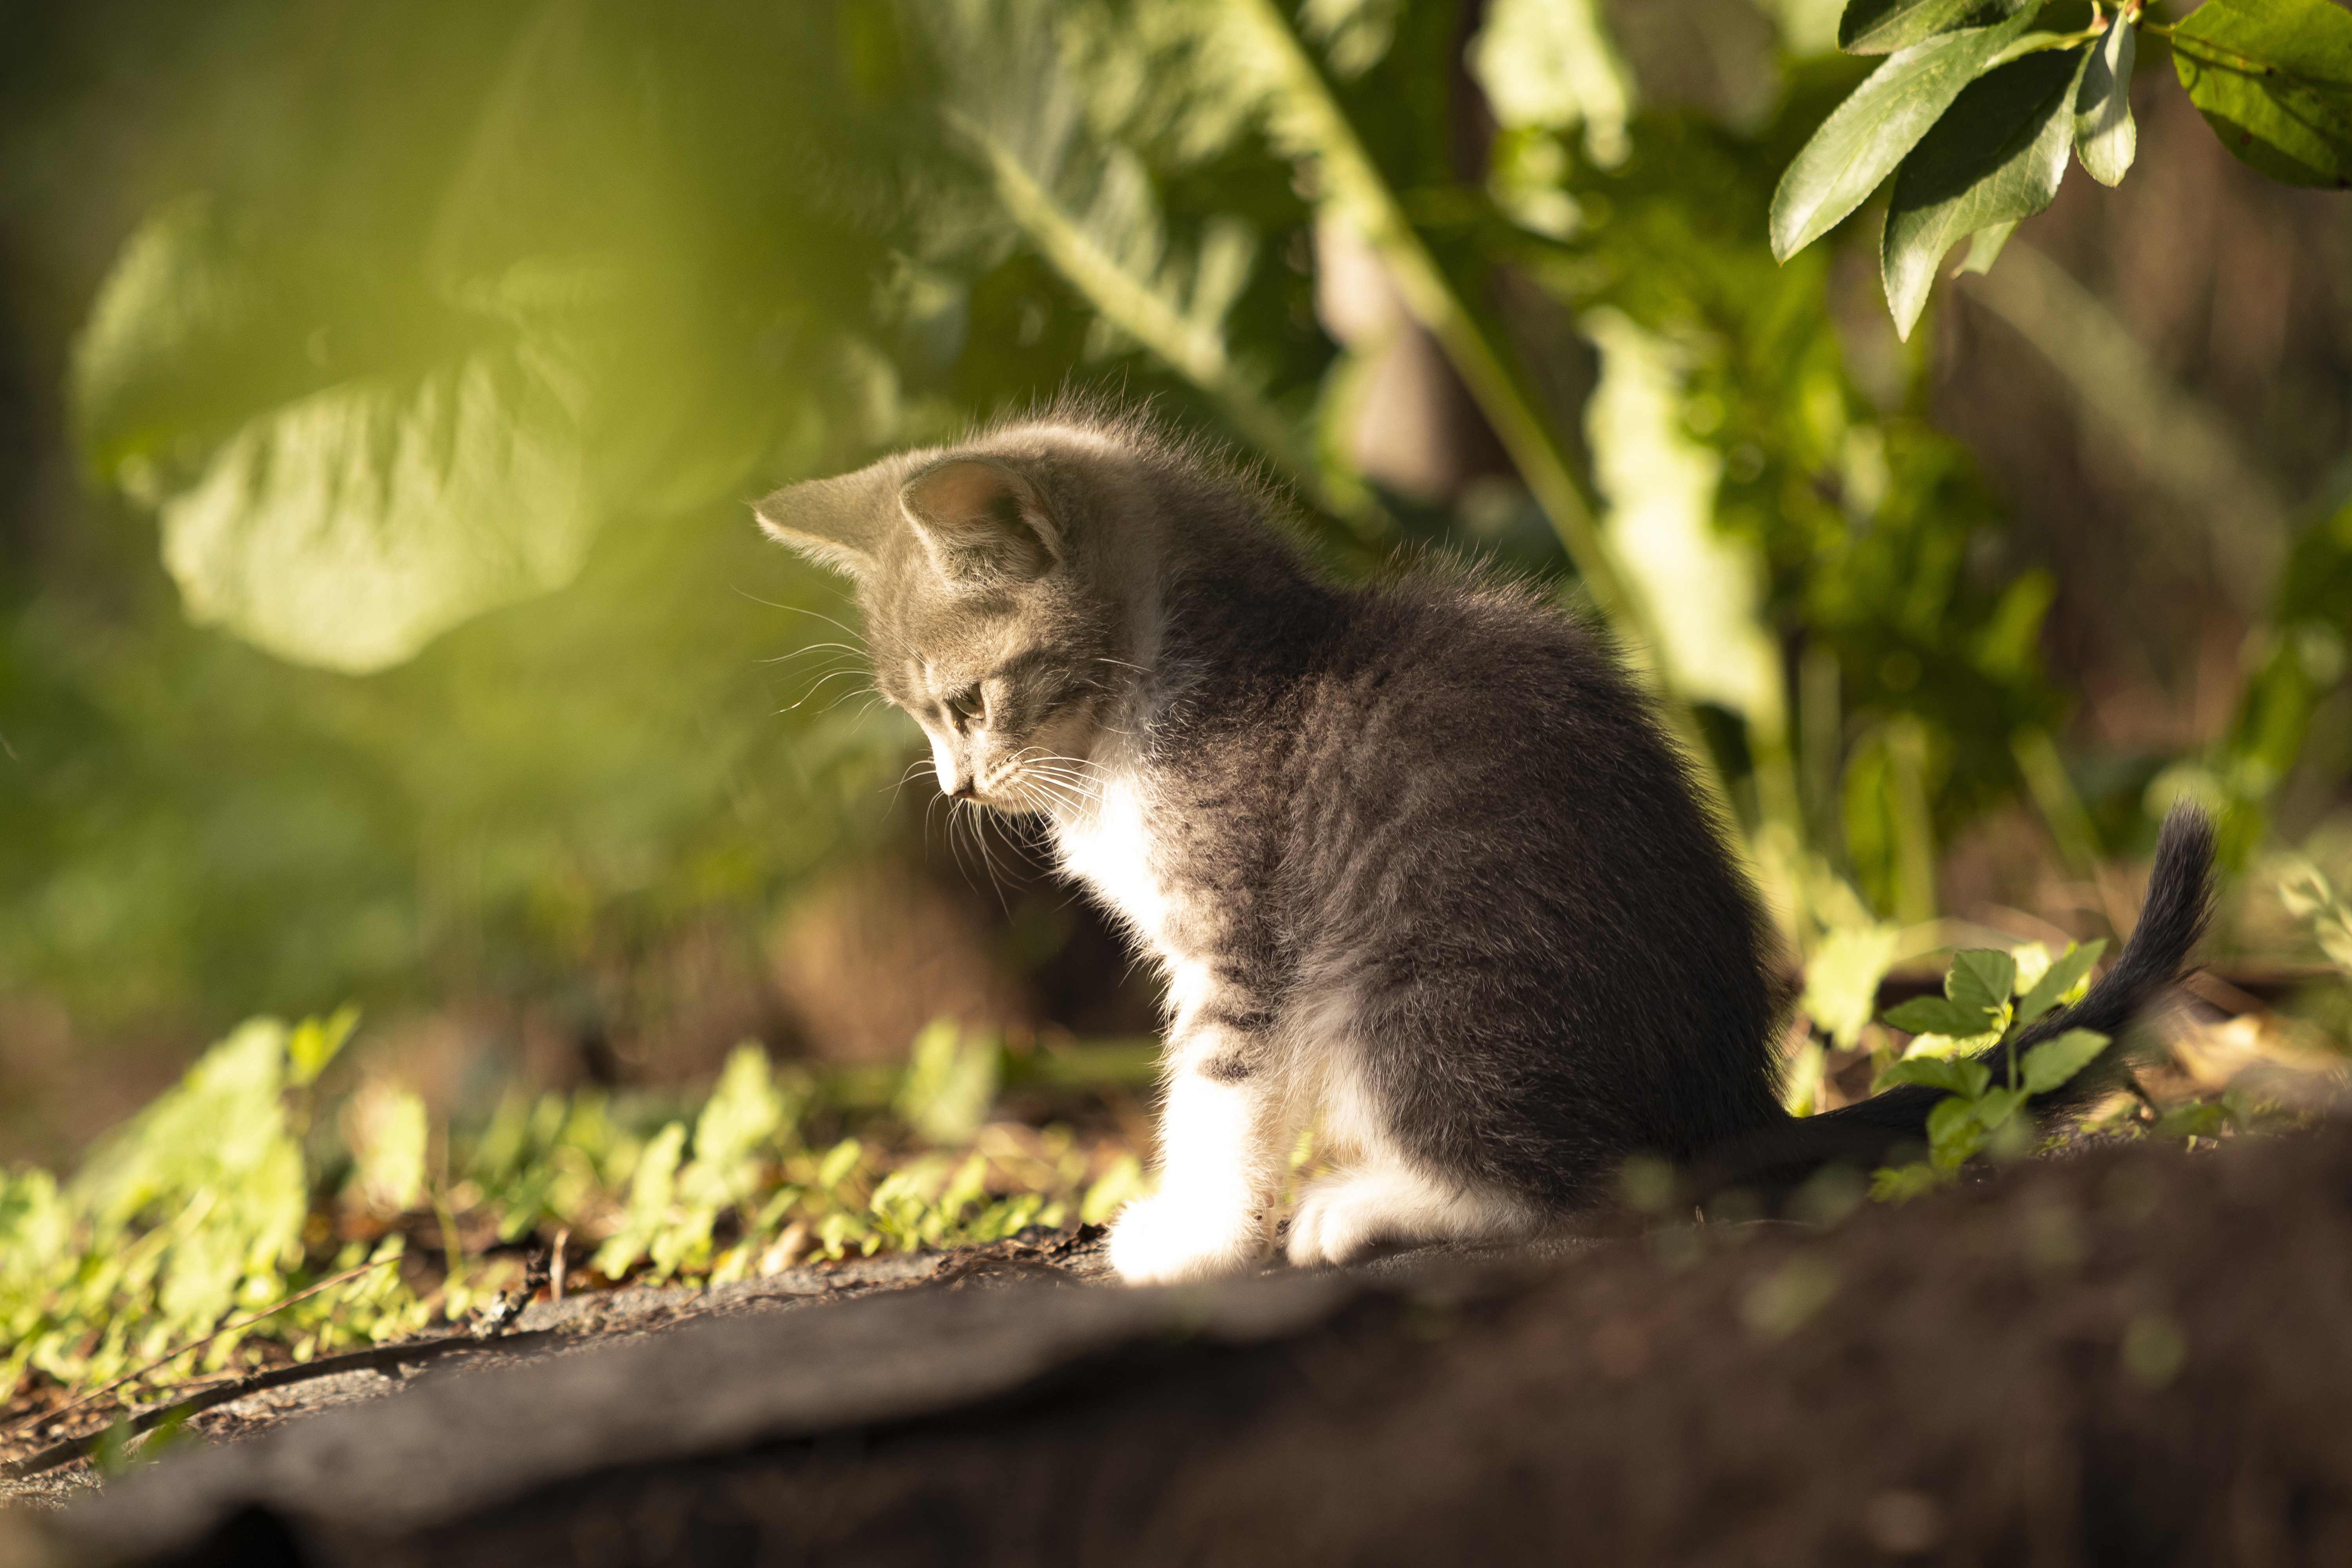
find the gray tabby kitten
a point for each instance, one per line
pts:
(1417, 857)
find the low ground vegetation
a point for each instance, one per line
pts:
(245, 1219)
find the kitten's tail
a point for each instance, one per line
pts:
(1867, 1133)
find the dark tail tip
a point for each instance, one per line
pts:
(2180, 894)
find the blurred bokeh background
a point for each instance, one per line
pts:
(380, 388)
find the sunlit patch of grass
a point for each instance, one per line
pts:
(234, 1192)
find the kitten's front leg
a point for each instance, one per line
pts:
(1225, 1139)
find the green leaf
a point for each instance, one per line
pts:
(1122, 1182)
(2106, 138)
(1954, 1133)
(389, 1133)
(1954, 1076)
(1936, 1016)
(2195, 1119)
(2055, 1062)
(839, 1162)
(648, 1219)
(2273, 79)
(1996, 1105)
(1867, 135)
(1984, 246)
(1996, 156)
(2032, 963)
(2060, 981)
(743, 1111)
(314, 1043)
(1946, 1047)
(1980, 979)
(1882, 26)
(1841, 981)
(1901, 1183)
(350, 527)
(345, 466)
(951, 1082)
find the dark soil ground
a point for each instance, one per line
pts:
(2132, 1355)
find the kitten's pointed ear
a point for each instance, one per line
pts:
(839, 523)
(982, 524)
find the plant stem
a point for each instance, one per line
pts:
(1310, 117)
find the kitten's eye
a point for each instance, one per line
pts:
(969, 703)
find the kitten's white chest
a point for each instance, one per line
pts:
(1109, 847)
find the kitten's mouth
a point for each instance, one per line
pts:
(1034, 783)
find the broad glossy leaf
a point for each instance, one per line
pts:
(349, 528)
(1882, 26)
(2273, 79)
(1934, 1016)
(1980, 978)
(1996, 156)
(1966, 1079)
(2055, 1062)
(1866, 136)
(2065, 972)
(2106, 138)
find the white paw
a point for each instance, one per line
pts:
(1178, 1236)
(1340, 1219)
(1351, 1214)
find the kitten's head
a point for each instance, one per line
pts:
(997, 613)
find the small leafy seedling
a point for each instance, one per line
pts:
(1990, 999)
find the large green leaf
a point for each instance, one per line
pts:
(2055, 1062)
(349, 528)
(1980, 979)
(1996, 156)
(1936, 1016)
(1953, 1132)
(1867, 135)
(2273, 79)
(1841, 980)
(2106, 138)
(1021, 85)
(1882, 26)
(343, 467)
(2064, 973)
(1965, 1079)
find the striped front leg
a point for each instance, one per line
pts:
(1226, 1132)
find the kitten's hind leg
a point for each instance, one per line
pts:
(1385, 1201)
(1224, 1142)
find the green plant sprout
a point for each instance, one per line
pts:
(213, 1232)
(1989, 998)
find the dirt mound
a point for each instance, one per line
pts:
(2134, 1355)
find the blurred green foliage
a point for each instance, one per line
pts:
(452, 341)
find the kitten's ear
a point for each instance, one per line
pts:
(982, 524)
(839, 523)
